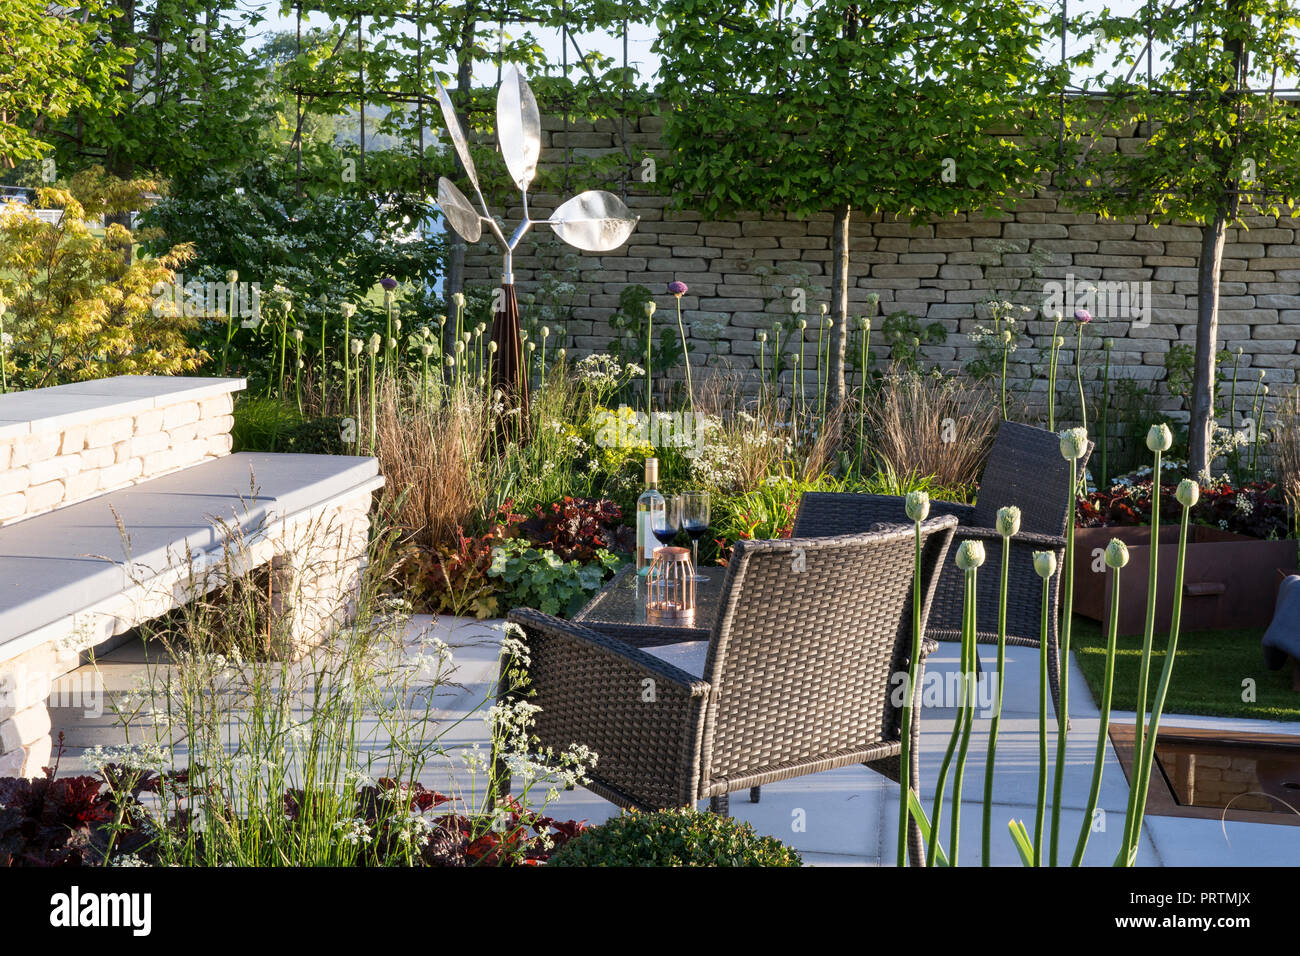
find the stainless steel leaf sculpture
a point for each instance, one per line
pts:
(594, 221)
(454, 130)
(519, 127)
(460, 212)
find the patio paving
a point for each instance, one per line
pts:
(845, 817)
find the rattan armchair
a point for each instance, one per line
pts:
(1025, 468)
(804, 672)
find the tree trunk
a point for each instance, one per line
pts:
(1201, 426)
(1202, 423)
(840, 285)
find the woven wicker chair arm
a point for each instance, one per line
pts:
(891, 508)
(1041, 541)
(646, 635)
(581, 641)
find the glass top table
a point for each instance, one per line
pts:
(619, 609)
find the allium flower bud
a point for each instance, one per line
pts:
(232, 276)
(1160, 438)
(917, 505)
(650, 308)
(1116, 554)
(1045, 563)
(459, 299)
(375, 342)
(356, 346)
(762, 337)
(1188, 493)
(1008, 521)
(1074, 442)
(970, 555)
(348, 309)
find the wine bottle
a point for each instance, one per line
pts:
(648, 506)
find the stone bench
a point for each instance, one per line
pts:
(132, 506)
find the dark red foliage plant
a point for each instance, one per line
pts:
(1251, 508)
(576, 528)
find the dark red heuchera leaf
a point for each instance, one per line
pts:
(50, 822)
(576, 528)
(1256, 509)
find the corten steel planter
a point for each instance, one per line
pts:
(1230, 580)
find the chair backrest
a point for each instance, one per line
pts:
(808, 635)
(1025, 468)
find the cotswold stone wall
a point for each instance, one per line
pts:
(743, 274)
(59, 459)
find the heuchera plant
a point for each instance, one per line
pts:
(1253, 508)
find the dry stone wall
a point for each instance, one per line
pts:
(742, 273)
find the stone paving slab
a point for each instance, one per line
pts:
(59, 563)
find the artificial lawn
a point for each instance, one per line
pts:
(1209, 668)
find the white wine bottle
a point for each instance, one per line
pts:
(648, 507)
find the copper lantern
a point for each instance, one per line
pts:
(670, 587)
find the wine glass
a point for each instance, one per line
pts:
(695, 521)
(665, 523)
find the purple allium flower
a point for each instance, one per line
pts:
(678, 288)
(1082, 315)
(388, 283)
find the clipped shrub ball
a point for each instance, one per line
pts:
(673, 838)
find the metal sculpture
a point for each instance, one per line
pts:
(593, 221)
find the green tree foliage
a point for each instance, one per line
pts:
(902, 107)
(1194, 80)
(50, 65)
(186, 97)
(76, 309)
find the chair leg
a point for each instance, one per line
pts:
(721, 805)
(754, 794)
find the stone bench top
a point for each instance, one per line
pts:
(56, 564)
(83, 403)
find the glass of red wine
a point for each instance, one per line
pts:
(695, 521)
(666, 523)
